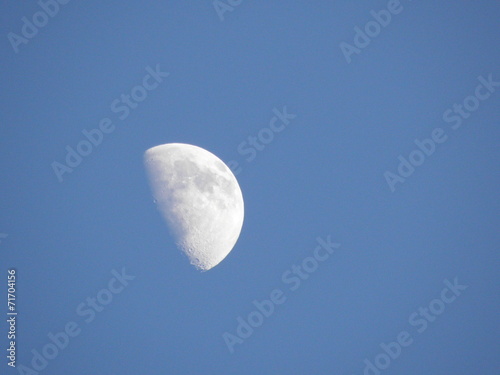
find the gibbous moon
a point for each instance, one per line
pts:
(200, 199)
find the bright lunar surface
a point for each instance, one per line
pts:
(200, 199)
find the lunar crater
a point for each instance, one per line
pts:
(199, 198)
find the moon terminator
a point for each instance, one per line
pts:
(199, 198)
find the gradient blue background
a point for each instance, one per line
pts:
(322, 176)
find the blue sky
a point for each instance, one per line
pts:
(324, 175)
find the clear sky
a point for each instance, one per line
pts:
(410, 240)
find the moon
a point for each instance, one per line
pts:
(199, 198)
